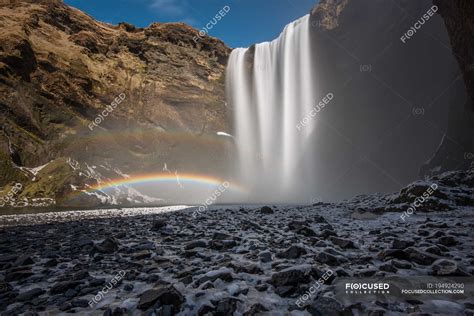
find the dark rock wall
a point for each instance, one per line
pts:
(457, 147)
(392, 99)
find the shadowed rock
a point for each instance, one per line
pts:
(109, 245)
(161, 296)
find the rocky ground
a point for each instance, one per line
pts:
(235, 260)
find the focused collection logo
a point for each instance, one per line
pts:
(367, 288)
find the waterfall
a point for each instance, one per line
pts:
(270, 88)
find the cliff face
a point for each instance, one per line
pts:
(458, 145)
(393, 92)
(458, 17)
(60, 70)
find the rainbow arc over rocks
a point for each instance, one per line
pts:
(167, 179)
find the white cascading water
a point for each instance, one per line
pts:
(270, 94)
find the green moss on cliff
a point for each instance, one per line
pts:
(8, 173)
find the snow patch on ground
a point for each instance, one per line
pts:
(59, 217)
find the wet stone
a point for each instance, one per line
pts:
(30, 295)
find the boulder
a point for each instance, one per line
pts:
(225, 274)
(445, 267)
(161, 296)
(421, 257)
(290, 276)
(30, 295)
(266, 210)
(448, 241)
(109, 245)
(62, 287)
(255, 309)
(223, 307)
(293, 252)
(325, 306)
(195, 244)
(265, 256)
(327, 258)
(302, 228)
(343, 243)
(402, 244)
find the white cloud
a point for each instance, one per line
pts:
(171, 7)
(190, 21)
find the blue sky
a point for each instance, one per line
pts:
(248, 21)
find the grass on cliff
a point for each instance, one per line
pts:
(8, 173)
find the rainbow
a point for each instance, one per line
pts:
(146, 134)
(167, 178)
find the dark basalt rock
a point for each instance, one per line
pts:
(222, 244)
(8, 258)
(196, 244)
(343, 243)
(18, 275)
(402, 244)
(109, 245)
(420, 257)
(296, 225)
(62, 287)
(118, 311)
(319, 219)
(265, 256)
(327, 258)
(223, 274)
(393, 253)
(206, 310)
(445, 267)
(164, 295)
(447, 241)
(289, 277)
(24, 260)
(326, 233)
(388, 267)
(223, 307)
(255, 310)
(5, 287)
(266, 210)
(158, 224)
(293, 252)
(401, 264)
(83, 274)
(220, 236)
(434, 250)
(51, 263)
(302, 228)
(245, 267)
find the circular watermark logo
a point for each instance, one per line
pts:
(418, 111)
(365, 68)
